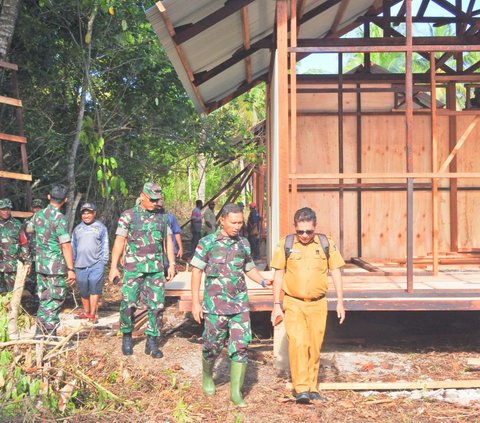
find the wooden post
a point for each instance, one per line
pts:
(452, 141)
(359, 170)
(282, 73)
(409, 141)
(434, 139)
(340, 149)
(293, 108)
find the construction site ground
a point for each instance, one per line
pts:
(370, 347)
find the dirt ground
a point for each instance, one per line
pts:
(374, 346)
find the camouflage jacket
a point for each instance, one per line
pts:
(49, 227)
(224, 260)
(14, 245)
(144, 232)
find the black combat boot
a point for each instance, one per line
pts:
(127, 345)
(151, 347)
(38, 333)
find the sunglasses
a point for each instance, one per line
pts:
(309, 232)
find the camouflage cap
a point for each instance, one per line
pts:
(153, 191)
(38, 202)
(5, 203)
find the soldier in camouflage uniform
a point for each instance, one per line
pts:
(224, 256)
(139, 236)
(31, 282)
(13, 246)
(53, 260)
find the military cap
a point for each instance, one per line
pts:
(253, 205)
(38, 202)
(153, 191)
(88, 206)
(58, 192)
(5, 203)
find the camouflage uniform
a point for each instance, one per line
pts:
(50, 231)
(143, 279)
(225, 302)
(31, 282)
(14, 246)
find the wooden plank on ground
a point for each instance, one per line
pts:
(399, 386)
(10, 101)
(13, 175)
(14, 138)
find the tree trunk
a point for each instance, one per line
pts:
(8, 17)
(70, 213)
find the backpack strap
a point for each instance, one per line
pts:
(323, 242)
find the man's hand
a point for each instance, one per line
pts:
(180, 252)
(197, 312)
(340, 312)
(171, 272)
(71, 277)
(268, 282)
(114, 273)
(277, 314)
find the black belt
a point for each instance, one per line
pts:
(307, 300)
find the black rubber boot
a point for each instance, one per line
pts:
(151, 347)
(127, 344)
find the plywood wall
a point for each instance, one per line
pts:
(383, 214)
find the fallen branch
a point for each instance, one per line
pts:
(99, 387)
(62, 343)
(20, 277)
(27, 342)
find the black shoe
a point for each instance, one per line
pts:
(151, 347)
(302, 398)
(127, 344)
(315, 396)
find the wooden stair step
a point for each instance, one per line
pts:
(13, 175)
(6, 65)
(10, 101)
(13, 138)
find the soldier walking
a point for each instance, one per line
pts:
(53, 260)
(13, 246)
(140, 235)
(31, 282)
(224, 256)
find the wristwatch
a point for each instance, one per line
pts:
(263, 283)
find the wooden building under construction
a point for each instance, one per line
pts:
(390, 161)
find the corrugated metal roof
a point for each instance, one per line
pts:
(216, 45)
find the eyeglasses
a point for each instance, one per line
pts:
(309, 232)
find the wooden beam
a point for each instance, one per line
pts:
(293, 107)
(190, 31)
(13, 138)
(6, 65)
(283, 127)
(459, 144)
(10, 101)
(13, 175)
(246, 44)
(452, 140)
(422, 8)
(180, 52)
(399, 41)
(22, 214)
(409, 138)
(339, 16)
(434, 142)
(385, 175)
(399, 386)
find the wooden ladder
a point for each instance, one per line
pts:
(20, 139)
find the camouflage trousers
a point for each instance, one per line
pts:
(52, 291)
(7, 281)
(218, 327)
(142, 290)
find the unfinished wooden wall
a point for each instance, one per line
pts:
(383, 213)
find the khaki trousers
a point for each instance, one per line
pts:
(305, 327)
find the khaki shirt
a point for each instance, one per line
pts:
(306, 271)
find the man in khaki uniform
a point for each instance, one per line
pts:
(302, 276)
